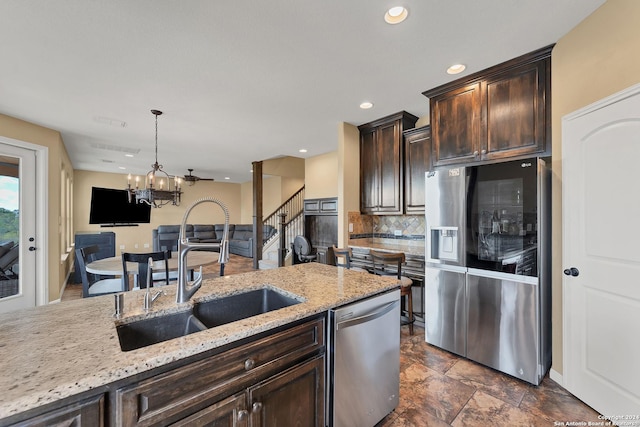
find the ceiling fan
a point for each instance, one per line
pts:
(192, 179)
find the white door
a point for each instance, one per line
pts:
(17, 227)
(601, 241)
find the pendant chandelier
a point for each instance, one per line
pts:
(154, 192)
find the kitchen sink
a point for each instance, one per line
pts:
(241, 306)
(145, 332)
(204, 315)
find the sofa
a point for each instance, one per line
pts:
(240, 236)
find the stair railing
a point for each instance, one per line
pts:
(293, 210)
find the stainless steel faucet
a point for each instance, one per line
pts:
(186, 289)
(148, 300)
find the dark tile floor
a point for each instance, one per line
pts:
(438, 388)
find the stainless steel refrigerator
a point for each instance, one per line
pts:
(488, 278)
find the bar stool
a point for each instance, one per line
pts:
(342, 258)
(390, 264)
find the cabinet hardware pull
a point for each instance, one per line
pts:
(475, 153)
(483, 152)
(256, 407)
(242, 414)
(249, 364)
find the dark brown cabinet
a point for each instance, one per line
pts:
(295, 397)
(230, 412)
(277, 375)
(417, 161)
(455, 122)
(88, 412)
(381, 164)
(326, 206)
(498, 113)
(321, 227)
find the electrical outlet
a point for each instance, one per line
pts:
(146, 245)
(397, 232)
(121, 246)
(350, 227)
(135, 246)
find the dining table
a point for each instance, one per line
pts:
(112, 266)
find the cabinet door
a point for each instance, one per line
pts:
(293, 398)
(368, 172)
(89, 413)
(388, 151)
(417, 161)
(230, 412)
(515, 111)
(456, 125)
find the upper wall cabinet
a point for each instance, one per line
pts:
(417, 161)
(498, 113)
(381, 164)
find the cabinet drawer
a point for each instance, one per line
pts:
(173, 395)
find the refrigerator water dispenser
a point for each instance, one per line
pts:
(444, 243)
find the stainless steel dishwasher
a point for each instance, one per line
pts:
(364, 372)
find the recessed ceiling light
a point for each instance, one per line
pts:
(456, 69)
(303, 150)
(396, 15)
(226, 177)
(366, 105)
(122, 167)
(128, 155)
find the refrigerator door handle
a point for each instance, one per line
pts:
(447, 267)
(503, 276)
(379, 312)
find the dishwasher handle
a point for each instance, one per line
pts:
(381, 311)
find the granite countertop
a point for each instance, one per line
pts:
(409, 247)
(59, 350)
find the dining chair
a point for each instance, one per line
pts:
(342, 257)
(95, 284)
(158, 277)
(390, 264)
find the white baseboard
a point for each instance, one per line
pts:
(556, 376)
(64, 286)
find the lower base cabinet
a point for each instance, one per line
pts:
(271, 381)
(84, 413)
(294, 397)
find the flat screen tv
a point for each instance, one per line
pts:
(111, 207)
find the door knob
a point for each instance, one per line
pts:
(32, 248)
(572, 272)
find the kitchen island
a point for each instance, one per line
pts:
(55, 353)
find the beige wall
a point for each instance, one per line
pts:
(129, 237)
(348, 178)
(282, 178)
(599, 57)
(321, 176)
(58, 159)
(246, 196)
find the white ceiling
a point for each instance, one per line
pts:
(241, 81)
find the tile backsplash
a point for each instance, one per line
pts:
(410, 227)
